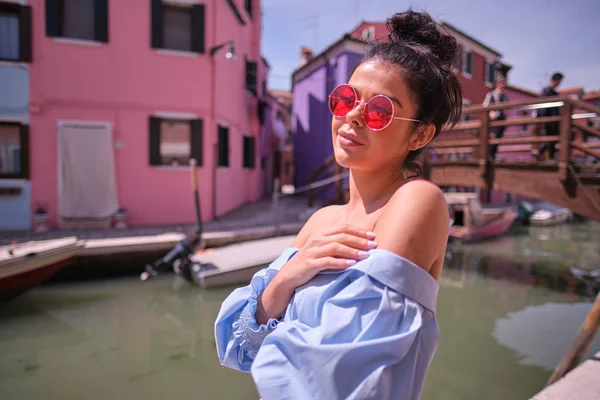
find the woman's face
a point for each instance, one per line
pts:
(360, 148)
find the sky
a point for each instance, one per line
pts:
(536, 37)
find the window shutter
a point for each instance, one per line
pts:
(248, 6)
(262, 110)
(197, 141)
(223, 146)
(251, 67)
(157, 24)
(101, 20)
(24, 136)
(252, 152)
(25, 33)
(198, 28)
(249, 146)
(54, 18)
(154, 142)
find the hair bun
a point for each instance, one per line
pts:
(413, 28)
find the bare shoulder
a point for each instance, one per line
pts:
(414, 223)
(316, 222)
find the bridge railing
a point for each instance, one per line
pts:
(470, 141)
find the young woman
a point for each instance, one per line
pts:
(349, 310)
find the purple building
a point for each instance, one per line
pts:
(311, 119)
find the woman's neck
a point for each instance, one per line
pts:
(371, 191)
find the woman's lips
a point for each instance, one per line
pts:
(347, 139)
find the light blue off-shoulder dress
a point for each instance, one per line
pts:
(367, 332)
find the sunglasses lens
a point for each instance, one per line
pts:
(378, 112)
(342, 100)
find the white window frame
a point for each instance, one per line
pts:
(370, 31)
(465, 53)
(489, 82)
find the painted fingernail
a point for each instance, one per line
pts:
(363, 254)
(372, 244)
(350, 262)
(371, 235)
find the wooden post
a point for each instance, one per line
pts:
(564, 152)
(484, 151)
(582, 341)
(276, 221)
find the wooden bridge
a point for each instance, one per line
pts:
(460, 156)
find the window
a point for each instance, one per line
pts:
(175, 141)
(490, 73)
(249, 152)
(369, 34)
(178, 27)
(265, 91)
(251, 76)
(77, 19)
(223, 146)
(467, 63)
(14, 150)
(248, 7)
(456, 61)
(465, 117)
(15, 32)
(262, 109)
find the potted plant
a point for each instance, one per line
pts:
(40, 218)
(121, 218)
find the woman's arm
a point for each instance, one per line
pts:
(276, 297)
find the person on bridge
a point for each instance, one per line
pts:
(551, 128)
(496, 96)
(349, 310)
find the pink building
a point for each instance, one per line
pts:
(124, 93)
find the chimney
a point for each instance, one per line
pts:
(306, 54)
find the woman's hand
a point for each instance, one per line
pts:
(337, 249)
(334, 250)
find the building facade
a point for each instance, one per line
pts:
(15, 61)
(123, 93)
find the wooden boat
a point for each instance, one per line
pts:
(469, 221)
(546, 217)
(27, 265)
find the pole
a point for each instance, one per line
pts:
(276, 221)
(582, 341)
(194, 176)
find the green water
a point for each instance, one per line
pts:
(507, 310)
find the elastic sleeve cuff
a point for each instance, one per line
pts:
(246, 329)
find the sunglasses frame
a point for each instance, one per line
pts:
(364, 103)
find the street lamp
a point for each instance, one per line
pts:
(230, 55)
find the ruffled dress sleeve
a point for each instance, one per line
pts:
(237, 334)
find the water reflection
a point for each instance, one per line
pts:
(507, 312)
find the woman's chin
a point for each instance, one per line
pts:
(343, 158)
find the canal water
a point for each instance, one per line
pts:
(507, 310)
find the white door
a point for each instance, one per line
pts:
(87, 182)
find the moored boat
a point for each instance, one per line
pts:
(469, 221)
(27, 265)
(547, 217)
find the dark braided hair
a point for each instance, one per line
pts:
(425, 53)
